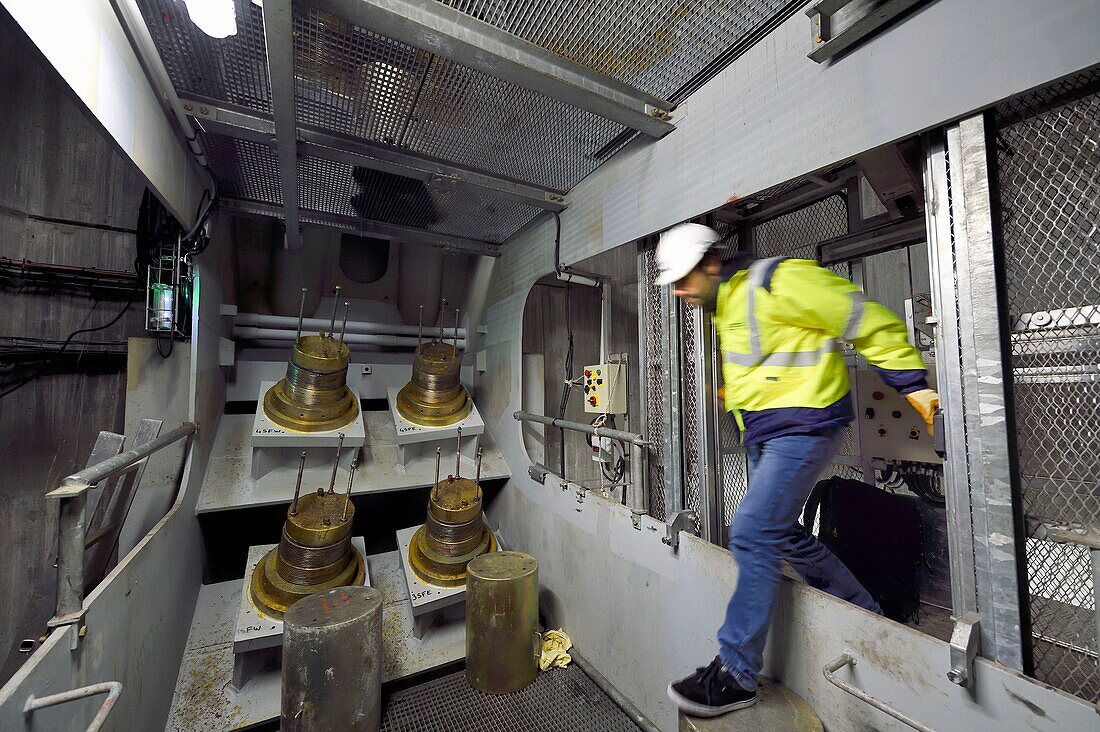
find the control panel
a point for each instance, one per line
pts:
(604, 387)
(889, 428)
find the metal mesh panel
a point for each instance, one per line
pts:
(232, 69)
(655, 336)
(339, 188)
(838, 470)
(244, 169)
(560, 700)
(352, 80)
(657, 47)
(250, 170)
(797, 233)
(1049, 193)
(1063, 624)
(476, 120)
(690, 404)
(731, 455)
(735, 468)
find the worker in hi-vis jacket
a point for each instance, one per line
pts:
(779, 322)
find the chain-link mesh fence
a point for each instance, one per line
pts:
(1049, 197)
(691, 401)
(653, 309)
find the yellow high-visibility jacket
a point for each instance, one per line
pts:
(779, 323)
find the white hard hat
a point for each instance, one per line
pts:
(680, 249)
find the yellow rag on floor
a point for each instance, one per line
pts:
(555, 643)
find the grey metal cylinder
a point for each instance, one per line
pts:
(502, 618)
(332, 661)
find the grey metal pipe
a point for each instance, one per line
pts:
(73, 497)
(353, 326)
(332, 661)
(639, 467)
(352, 339)
(628, 437)
(617, 696)
(846, 659)
(112, 689)
(119, 463)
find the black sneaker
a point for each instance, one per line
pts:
(709, 692)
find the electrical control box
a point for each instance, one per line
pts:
(604, 387)
(889, 427)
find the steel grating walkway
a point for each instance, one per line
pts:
(559, 700)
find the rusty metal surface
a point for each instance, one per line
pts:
(453, 534)
(314, 395)
(502, 619)
(205, 700)
(314, 554)
(435, 396)
(332, 661)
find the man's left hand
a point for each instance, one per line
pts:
(926, 402)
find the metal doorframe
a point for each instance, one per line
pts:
(972, 367)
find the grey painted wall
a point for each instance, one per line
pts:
(641, 614)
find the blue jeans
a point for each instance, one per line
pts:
(765, 529)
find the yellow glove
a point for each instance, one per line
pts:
(555, 643)
(926, 402)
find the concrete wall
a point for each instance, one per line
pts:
(56, 165)
(137, 619)
(91, 57)
(642, 614)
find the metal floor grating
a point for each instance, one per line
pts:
(559, 700)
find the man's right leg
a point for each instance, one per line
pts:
(821, 569)
(782, 473)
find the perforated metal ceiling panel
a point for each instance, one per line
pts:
(656, 46)
(244, 169)
(230, 69)
(249, 170)
(533, 138)
(357, 83)
(353, 81)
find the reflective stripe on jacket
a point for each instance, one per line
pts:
(780, 323)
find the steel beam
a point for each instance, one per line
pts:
(367, 227)
(279, 40)
(872, 241)
(998, 544)
(316, 142)
(970, 360)
(945, 307)
(825, 44)
(710, 483)
(454, 35)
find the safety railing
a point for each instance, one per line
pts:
(846, 659)
(72, 498)
(638, 495)
(111, 688)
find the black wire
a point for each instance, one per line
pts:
(171, 345)
(65, 345)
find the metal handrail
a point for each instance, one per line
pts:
(639, 500)
(112, 689)
(846, 659)
(72, 497)
(628, 437)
